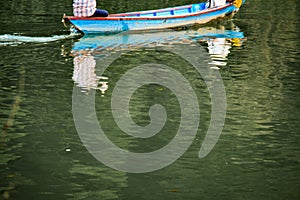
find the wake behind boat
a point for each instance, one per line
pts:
(179, 16)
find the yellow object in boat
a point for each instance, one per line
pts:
(238, 3)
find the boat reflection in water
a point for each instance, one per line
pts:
(217, 40)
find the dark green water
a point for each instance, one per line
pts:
(257, 154)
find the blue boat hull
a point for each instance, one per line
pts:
(152, 20)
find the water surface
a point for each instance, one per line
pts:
(42, 156)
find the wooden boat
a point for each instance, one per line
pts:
(154, 19)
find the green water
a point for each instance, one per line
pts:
(256, 156)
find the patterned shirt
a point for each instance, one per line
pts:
(84, 8)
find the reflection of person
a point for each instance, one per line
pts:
(218, 48)
(84, 73)
(87, 8)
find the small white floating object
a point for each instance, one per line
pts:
(215, 68)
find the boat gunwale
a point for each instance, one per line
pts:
(152, 11)
(204, 11)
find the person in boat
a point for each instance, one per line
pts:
(87, 8)
(215, 3)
